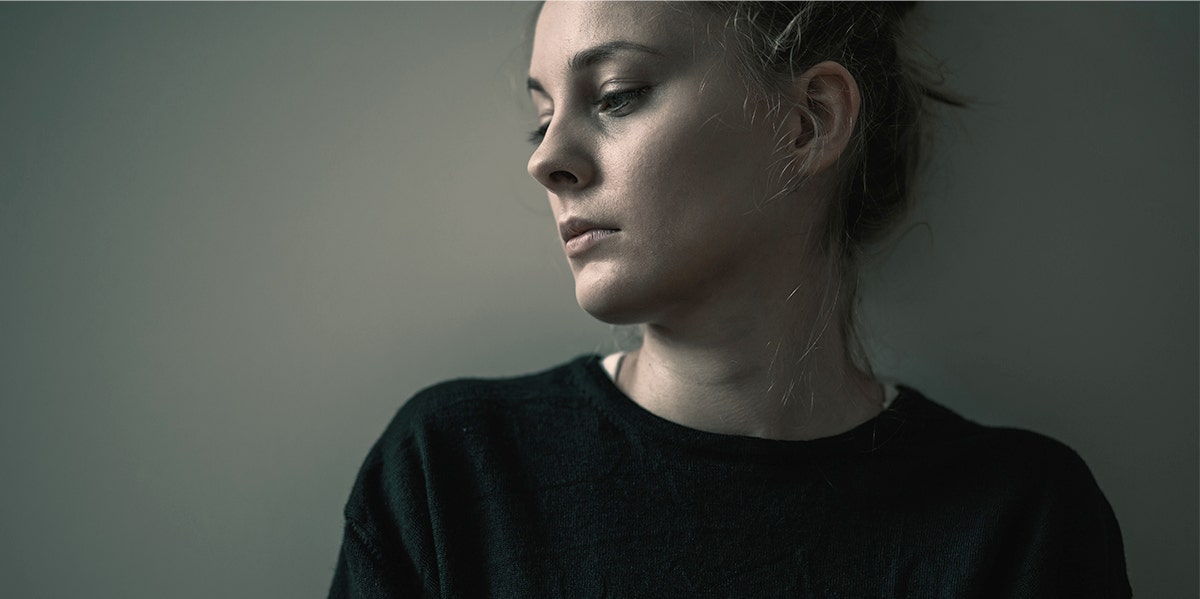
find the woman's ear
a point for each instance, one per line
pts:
(824, 115)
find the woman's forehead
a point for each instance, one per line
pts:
(567, 29)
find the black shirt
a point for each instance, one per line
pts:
(558, 484)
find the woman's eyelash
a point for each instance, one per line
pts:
(537, 135)
(618, 101)
(613, 103)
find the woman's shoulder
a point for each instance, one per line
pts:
(1015, 456)
(1007, 465)
(466, 404)
(1027, 489)
(938, 421)
(477, 434)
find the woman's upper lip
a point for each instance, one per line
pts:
(575, 226)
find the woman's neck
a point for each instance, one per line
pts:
(783, 374)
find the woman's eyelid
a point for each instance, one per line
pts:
(614, 97)
(618, 85)
(620, 100)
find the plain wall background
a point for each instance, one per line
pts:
(234, 238)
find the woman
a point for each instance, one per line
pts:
(716, 172)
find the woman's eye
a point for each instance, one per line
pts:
(619, 103)
(537, 135)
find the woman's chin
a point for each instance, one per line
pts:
(610, 310)
(611, 302)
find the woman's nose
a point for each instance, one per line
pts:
(561, 161)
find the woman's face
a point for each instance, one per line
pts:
(650, 139)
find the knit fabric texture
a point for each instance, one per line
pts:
(557, 484)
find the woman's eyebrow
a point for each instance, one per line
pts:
(594, 55)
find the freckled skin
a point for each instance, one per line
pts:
(684, 174)
(717, 249)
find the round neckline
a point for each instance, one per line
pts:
(867, 437)
(891, 390)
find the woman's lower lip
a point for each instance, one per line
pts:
(583, 242)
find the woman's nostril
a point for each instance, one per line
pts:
(563, 177)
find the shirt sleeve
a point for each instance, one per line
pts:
(364, 573)
(1074, 548)
(1092, 553)
(386, 549)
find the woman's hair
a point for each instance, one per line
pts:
(778, 41)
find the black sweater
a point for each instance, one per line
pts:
(557, 484)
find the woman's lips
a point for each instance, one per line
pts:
(580, 234)
(581, 243)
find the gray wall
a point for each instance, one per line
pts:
(234, 238)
